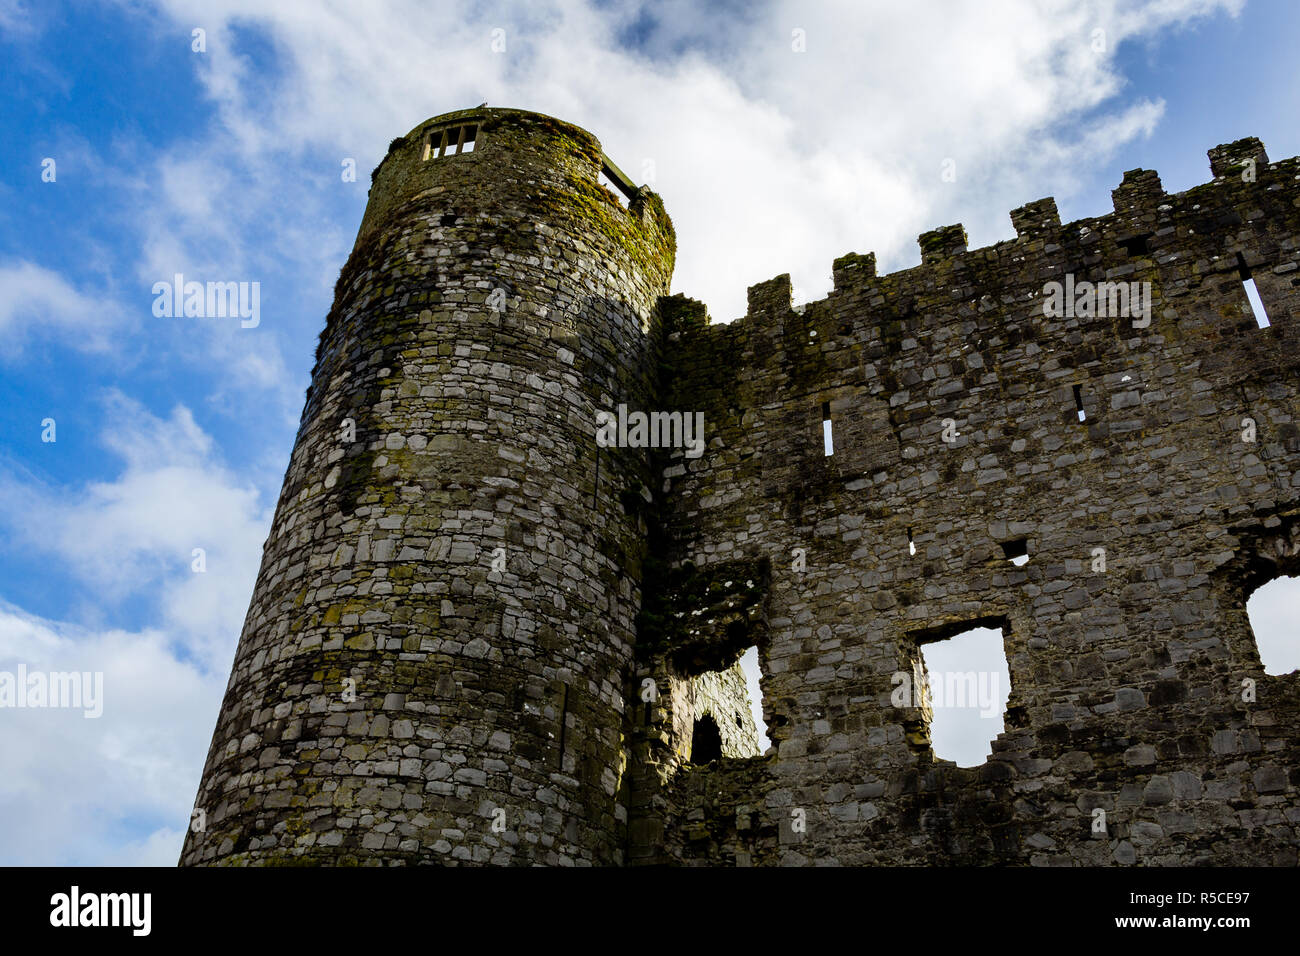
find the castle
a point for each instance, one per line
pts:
(481, 636)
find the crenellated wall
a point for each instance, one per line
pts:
(481, 635)
(1136, 685)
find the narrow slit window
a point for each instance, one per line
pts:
(828, 440)
(749, 664)
(1078, 403)
(1252, 293)
(911, 545)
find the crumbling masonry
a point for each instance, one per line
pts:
(479, 636)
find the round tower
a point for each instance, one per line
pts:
(433, 662)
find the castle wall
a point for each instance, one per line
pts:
(1135, 690)
(432, 666)
(478, 636)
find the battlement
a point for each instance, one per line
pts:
(1145, 221)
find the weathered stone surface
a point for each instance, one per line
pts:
(494, 301)
(1127, 665)
(480, 637)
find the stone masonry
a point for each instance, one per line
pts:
(480, 635)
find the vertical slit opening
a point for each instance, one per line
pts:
(911, 545)
(564, 723)
(828, 440)
(1252, 293)
(1078, 403)
(749, 665)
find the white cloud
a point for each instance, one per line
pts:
(16, 18)
(110, 790)
(135, 536)
(210, 216)
(35, 300)
(38, 304)
(769, 160)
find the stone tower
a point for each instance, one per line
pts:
(432, 666)
(480, 635)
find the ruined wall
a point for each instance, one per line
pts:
(479, 636)
(1128, 690)
(444, 615)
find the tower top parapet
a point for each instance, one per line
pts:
(516, 158)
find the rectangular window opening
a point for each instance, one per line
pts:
(451, 141)
(1078, 403)
(1137, 245)
(435, 144)
(967, 685)
(616, 181)
(727, 712)
(1017, 551)
(828, 440)
(1270, 610)
(1252, 293)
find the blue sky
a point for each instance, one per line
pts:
(225, 164)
